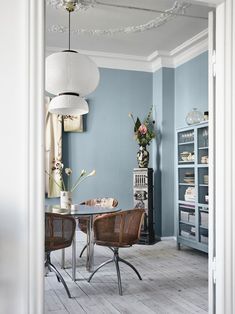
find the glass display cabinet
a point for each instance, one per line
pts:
(192, 152)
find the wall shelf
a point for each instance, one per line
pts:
(190, 233)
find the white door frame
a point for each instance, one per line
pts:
(36, 190)
(224, 156)
(225, 159)
(224, 169)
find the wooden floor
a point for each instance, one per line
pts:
(173, 282)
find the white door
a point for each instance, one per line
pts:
(211, 106)
(222, 158)
(21, 157)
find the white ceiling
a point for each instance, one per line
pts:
(164, 38)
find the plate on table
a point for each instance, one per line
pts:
(59, 210)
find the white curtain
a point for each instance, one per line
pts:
(53, 151)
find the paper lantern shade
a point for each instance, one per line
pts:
(69, 71)
(68, 105)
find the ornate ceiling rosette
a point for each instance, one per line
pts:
(163, 17)
(78, 4)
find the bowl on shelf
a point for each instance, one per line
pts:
(206, 179)
(184, 156)
(191, 157)
(189, 177)
(204, 159)
(187, 156)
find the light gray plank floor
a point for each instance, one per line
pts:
(173, 282)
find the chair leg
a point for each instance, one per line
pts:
(103, 264)
(61, 279)
(131, 266)
(116, 258)
(50, 269)
(82, 251)
(48, 264)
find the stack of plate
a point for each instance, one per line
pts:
(190, 195)
(206, 179)
(189, 177)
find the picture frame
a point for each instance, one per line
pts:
(73, 123)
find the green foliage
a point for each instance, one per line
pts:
(143, 132)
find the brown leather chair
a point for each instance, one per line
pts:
(118, 230)
(59, 232)
(102, 202)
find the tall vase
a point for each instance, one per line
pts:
(143, 157)
(65, 199)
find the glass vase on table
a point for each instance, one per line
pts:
(65, 199)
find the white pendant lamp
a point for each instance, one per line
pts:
(68, 104)
(70, 76)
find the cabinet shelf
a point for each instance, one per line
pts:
(188, 165)
(192, 232)
(204, 227)
(203, 205)
(186, 143)
(186, 203)
(187, 223)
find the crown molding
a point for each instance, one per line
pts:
(158, 59)
(191, 48)
(113, 60)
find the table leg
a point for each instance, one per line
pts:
(74, 257)
(90, 245)
(63, 258)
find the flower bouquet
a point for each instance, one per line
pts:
(66, 191)
(143, 134)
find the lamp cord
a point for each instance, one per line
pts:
(69, 30)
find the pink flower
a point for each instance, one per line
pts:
(143, 129)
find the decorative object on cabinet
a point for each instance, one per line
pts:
(143, 134)
(206, 115)
(143, 157)
(143, 198)
(192, 187)
(194, 117)
(73, 123)
(70, 76)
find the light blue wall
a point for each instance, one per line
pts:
(168, 128)
(108, 145)
(163, 97)
(157, 149)
(191, 88)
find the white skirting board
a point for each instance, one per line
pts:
(168, 238)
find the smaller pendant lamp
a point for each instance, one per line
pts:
(70, 76)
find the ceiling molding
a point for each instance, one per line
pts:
(172, 59)
(113, 60)
(191, 48)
